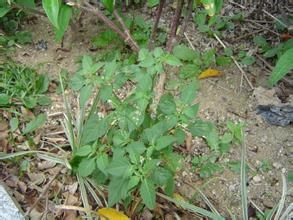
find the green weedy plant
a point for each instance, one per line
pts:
(283, 52)
(129, 148)
(23, 85)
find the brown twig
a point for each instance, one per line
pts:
(237, 39)
(129, 40)
(174, 26)
(44, 191)
(237, 64)
(264, 61)
(157, 20)
(95, 10)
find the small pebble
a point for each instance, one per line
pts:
(277, 165)
(257, 179)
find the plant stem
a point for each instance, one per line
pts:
(186, 18)
(174, 25)
(157, 19)
(129, 40)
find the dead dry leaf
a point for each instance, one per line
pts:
(46, 165)
(72, 188)
(3, 125)
(70, 199)
(37, 178)
(210, 73)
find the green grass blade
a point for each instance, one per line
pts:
(243, 180)
(55, 159)
(207, 201)
(5, 156)
(192, 208)
(68, 125)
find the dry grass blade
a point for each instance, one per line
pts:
(84, 197)
(283, 198)
(93, 193)
(192, 208)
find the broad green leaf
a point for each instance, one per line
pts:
(44, 100)
(184, 53)
(4, 11)
(223, 60)
(30, 102)
(148, 193)
(52, 8)
(260, 41)
(135, 150)
(109, 4)
(145, 82)
(103, 162)
(189, 71)
(105, 92)
(283, 66)
(157, 130)
(180, 136)
(191, 111)
(271, 52)
(188, 92)
(134, 181)
(208, 57)
(84, 95)
(86, 166)
(172, 60)
(119, 167)
(87, 62)
(4, 99)
(13, 124)
(35, 123)
(161, 176)
(83, 151)
(167, 104)
(158, 51)
(26, 3)
(206, 130)
(77, 82)
(64, 16)
(152, 3)
(117, 190)
(247, 60)
(94, 128)
(164, 142)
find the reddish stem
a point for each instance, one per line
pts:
(174, 25)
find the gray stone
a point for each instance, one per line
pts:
(8, 207)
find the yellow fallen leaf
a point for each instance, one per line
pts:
(111, 214)
(178, 197)
(210, 73)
